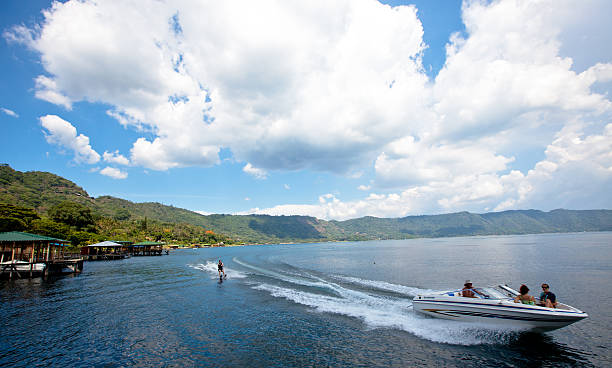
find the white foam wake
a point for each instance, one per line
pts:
(382, 285)
(211, 268)
(385, 312)
(375, 310)
(289, 278)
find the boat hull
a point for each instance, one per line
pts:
(497, 312)
(19, 267)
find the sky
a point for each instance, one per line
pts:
(334, 109)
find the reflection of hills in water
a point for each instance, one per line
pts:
(378, 304)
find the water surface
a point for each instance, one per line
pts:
(331, 304)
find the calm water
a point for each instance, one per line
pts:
(332, 304)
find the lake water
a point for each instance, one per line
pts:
(331, 304)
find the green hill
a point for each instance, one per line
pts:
(41, 191)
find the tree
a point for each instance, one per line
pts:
(122, 214)
(72, 214)
(80, 237)
(11, 224)
(50, 228)
(25, 214)
(15, 218)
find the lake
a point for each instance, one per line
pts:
(330, 304)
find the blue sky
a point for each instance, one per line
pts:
(332, 109)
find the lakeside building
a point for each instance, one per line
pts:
(147, 248)
(31, 255)
(104, 251)
(112, 250)
(126, 245)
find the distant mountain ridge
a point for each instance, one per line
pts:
(42, 190)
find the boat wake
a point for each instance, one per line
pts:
(378, 304)
(210, 267)
(385, 286)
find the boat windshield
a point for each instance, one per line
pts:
(489, 293)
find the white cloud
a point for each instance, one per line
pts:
(46, 89)
(576, 173)
(114, 173)
(280, 89)
(19, 34)
(256, 172)
(337, 86)
(62, 133)
(408, 162)
(287, 186)
(115, 158)
(9, 112)
(364, 187)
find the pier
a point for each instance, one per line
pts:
(27, 255)
(113, 250)
(104, 251)
(147, 248)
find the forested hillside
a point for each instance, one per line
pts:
(46, 195)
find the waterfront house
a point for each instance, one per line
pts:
(147, 248)
(32, 255)
(106, 250)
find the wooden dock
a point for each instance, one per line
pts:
(29, 255)
(54, 267)
(105, 256)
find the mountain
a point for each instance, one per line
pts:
(42, 190)
(493, 223)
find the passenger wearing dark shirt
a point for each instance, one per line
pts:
(547, 298)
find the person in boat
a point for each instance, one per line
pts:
(468, 291)
(547, 298)
(220, 268)
(524, 296)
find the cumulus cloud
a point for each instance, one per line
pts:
(281, 90)
(60, 132)
(576, 173)
(46, 89)
(256, 172)
(340, 87)
(114, 173)
(409, 162)
(9, 112)
(508, 66)
(115, 158)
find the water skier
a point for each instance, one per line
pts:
(220, 269)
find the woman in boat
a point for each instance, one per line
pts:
(524, 297)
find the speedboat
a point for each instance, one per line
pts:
(496, 307)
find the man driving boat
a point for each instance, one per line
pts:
(547, 298)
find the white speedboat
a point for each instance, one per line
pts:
(496, 307)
